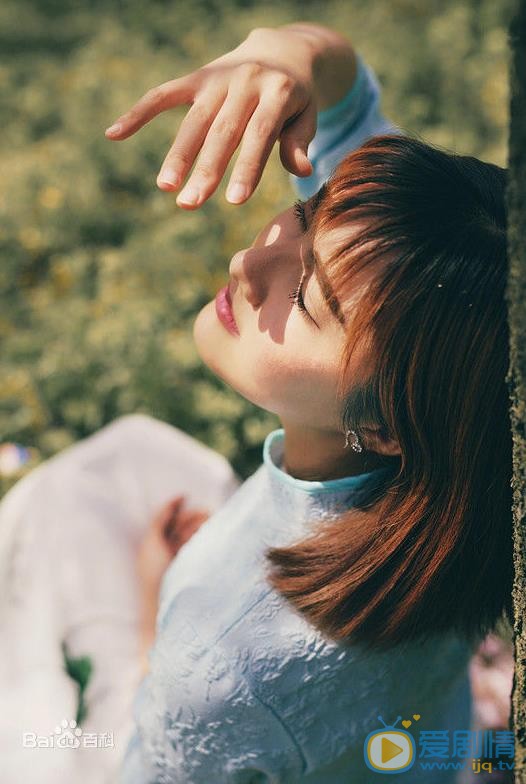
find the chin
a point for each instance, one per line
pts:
(212, 341)
(205, 333)
(217, 349)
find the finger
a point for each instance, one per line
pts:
(174, 504)
(175, 500)
(220, 144)
(165, 96)
(196, 523)
(189, 140)
(174, 537)
(294, 142)
(182, 533)
(190, 517)
(261, 133)
(168, 509)
(169, 514)
(202, 514)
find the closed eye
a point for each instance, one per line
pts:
(297, 298)
(299, 212)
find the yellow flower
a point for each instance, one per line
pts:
(50, 197)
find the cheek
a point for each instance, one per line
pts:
(297, 385)
(295, 378)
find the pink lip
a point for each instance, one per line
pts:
(224, 310)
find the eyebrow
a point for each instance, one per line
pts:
(326, 288)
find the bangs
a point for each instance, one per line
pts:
(355, 207)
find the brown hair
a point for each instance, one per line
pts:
(429, 550)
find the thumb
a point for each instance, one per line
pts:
(294, 142)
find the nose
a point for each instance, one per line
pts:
(270, 266)
(252, 269)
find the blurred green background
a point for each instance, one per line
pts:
(101, 273)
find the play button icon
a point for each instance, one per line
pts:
(389, 751)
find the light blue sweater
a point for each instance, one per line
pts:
(241, 687)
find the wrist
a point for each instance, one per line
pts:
(148, 603)
(148, 608)
(334, 63)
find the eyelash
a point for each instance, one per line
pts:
(297, 299)
(299, 212)
(296, 295)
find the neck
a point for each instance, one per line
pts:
(320, 455)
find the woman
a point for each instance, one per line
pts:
(336, 584)
(350, 576)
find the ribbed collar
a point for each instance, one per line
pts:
(311, 496)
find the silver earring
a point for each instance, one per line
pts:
(355, 443)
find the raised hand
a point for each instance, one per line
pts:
(266, 89)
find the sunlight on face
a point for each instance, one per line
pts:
(284, 359)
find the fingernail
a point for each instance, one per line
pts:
(116, 128)
(236, 192)
(189, 195)
(168, 177)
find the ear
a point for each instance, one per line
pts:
(376, 440)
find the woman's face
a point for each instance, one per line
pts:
(283, 359)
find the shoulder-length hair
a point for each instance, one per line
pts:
(430, 549)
